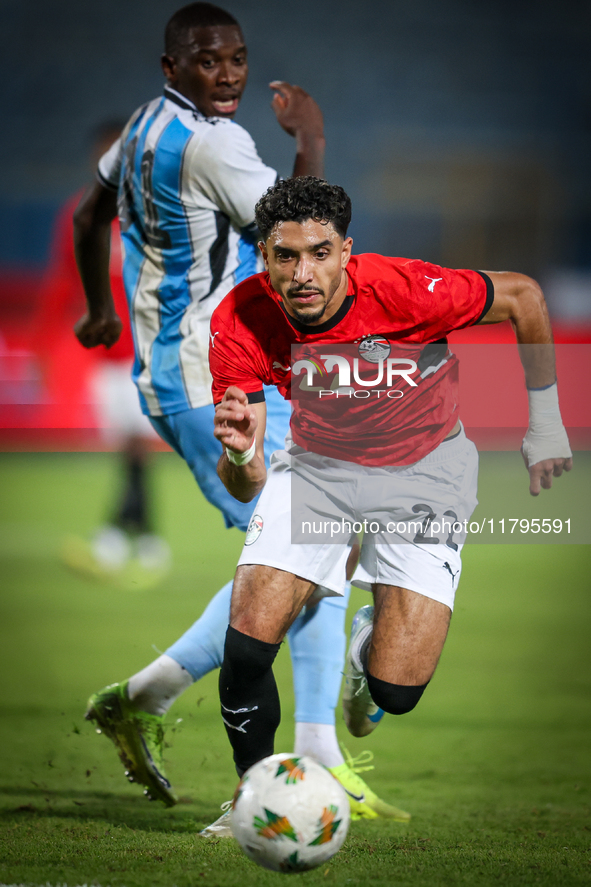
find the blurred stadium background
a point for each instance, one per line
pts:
(462, 132)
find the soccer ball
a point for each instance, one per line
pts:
(290, 814)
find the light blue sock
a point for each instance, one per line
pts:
(201, 648)
(317, 645)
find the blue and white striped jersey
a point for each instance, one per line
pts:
(187, 186)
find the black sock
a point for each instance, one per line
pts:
(249, 697)
(132, 514)
(396, 699)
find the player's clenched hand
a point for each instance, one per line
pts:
(541, 473)
(91, 332)
(296, 111)
(235, 421)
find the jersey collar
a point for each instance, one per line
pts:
(181, 100)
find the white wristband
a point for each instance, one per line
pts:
(242, 458)
(546, 436)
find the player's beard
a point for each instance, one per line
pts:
(308, 318)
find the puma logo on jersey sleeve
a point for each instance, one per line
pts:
(433, 280)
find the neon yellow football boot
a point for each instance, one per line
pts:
(137, 736)
(364, 802)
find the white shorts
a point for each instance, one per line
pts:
(414, 515)
(117, 402)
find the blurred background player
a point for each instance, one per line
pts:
(186, 179)
(124, 549)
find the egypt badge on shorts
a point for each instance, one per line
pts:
(255, 528)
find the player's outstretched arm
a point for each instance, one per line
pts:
(546, 450)
(240, 428)
(92, 242)
(299, 115)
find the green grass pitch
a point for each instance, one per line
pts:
(493, 764)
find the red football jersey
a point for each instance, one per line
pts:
(375, 384)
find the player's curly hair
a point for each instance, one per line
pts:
(301, 198)
(195, 15)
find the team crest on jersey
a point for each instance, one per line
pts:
(255, 528)
(374, 348)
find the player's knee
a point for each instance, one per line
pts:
(247, 656)
(396, 699)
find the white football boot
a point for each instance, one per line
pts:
(360, 712)
(222, 827)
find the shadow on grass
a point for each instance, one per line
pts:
(86, 805)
